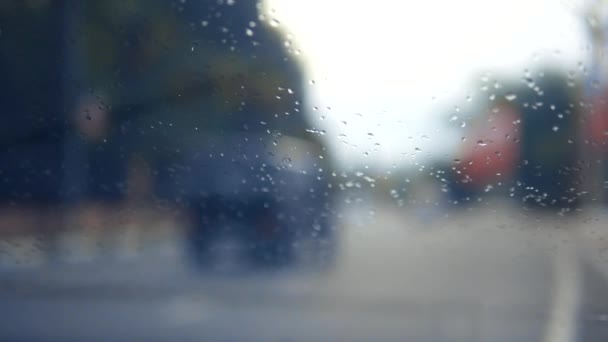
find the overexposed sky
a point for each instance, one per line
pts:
(388, 68)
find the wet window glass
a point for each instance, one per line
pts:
(286, 170)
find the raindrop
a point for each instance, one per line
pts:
(316, 131)
(510, 97)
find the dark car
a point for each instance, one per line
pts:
(255, 198)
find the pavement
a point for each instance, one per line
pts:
(491, 273)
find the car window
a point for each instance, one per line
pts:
(303, 170)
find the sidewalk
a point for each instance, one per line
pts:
(87, 235)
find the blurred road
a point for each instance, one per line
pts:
(486, 274)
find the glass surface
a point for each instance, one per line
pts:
(294, 170)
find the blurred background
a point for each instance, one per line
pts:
(304, 170)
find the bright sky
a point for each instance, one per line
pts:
(388, 69)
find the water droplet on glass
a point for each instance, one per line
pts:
(510, 97)
(316, 131)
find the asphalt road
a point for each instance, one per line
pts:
(486, 274)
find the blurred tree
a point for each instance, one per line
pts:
(174, 76)
(32, 106)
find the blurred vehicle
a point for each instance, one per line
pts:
(253, 199)
(596, 128)
(595, 118)
(488, 157)
(549, 167)
(200, 95)
(524, 146)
